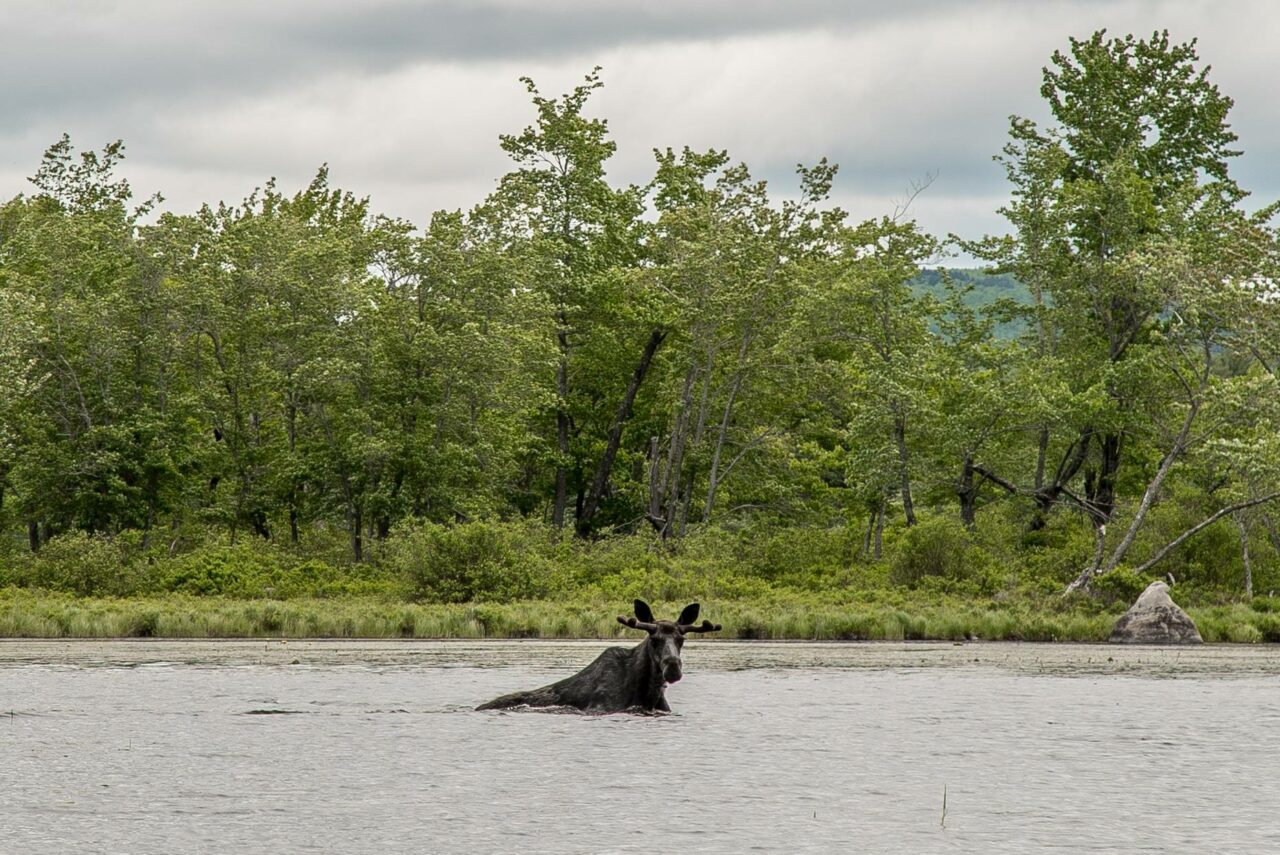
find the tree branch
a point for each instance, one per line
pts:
(1196, 529)
(997, 480)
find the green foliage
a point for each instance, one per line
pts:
(937, 547)
(686, 389)
(248, 571)
(1121, 586)
(469, 562)
(81, 564)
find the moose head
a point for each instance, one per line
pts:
(666, 637)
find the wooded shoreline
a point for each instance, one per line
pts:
(578, 391)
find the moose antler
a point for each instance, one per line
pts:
(637, 624)
(705, 626)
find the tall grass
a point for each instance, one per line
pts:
(27, 614)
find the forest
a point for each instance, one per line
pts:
(702, 387)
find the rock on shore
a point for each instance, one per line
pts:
(1155, 619)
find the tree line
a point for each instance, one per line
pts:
(694, 351)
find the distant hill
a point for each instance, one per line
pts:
(987, 288)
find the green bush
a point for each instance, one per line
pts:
(82, 564)
(259, 569)
(469, 562)
(936, 546)
(1120, 587)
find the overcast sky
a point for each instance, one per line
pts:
(405, 99)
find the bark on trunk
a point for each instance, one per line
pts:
(871, 527)
(1152, 493)
(877, 543)
(654, 510)
(562, 437)
(605, 468)
(670, 483)
(1100, 489)
(357, 541)
(1081, 582)
(967, 492)
(1042, 454)
(1072, 460)
(1244, 554)
(713, 475)
(904, 467)
(1273, 533)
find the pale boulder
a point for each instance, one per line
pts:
(1155, 619)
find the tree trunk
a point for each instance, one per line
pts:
(1273, 533)
(561, 447)
(562, 427)
(1081, 582)
(1042, 454)
(1100, 487)
(152, 499)
(33, 535)
(713, 476)
(871, 527)
(904, 468)
(356, 526)
(1152, 493)
(675, 455)
(1244, 554)
(967, 492)
(654, 508)
(1045, 496)
(878, 541)
(605, 467)
(291, 424)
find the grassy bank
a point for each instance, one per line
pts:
(28, 614)
(518, 580)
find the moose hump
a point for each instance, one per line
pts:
(621, 679)
(1155, 618)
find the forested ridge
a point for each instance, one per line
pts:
(705, 384)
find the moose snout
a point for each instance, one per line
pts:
(671, 670)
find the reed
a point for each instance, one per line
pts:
(26, 613)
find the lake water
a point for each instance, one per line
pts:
(373, 747)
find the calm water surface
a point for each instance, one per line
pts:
(372, 747)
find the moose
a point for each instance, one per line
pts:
(620, 679)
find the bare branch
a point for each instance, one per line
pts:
(914, 189)
(1196, 529)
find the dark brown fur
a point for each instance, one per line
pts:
(621, 679)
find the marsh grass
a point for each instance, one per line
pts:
(26, 613)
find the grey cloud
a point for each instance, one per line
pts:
(405, 100)
(76, 57)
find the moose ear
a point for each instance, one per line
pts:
(643, 613)
(689, 615)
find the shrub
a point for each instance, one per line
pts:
(1120, 587)
(83, 564)
(259, 569)
(467, 563)
(235, 571)
(936, 546)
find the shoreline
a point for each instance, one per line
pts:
(859, 618)
(1026, 658)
